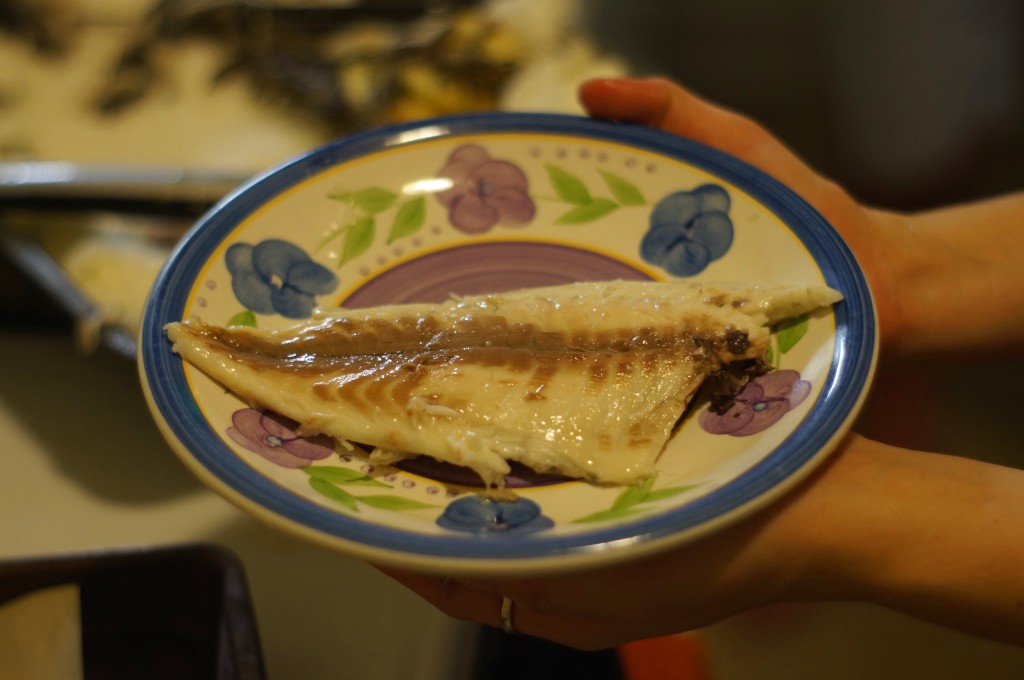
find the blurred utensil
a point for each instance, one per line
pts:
(51, 209)
(61, 185)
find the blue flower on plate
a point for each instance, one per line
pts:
(689, 230)
(481, 515)
(276, 276)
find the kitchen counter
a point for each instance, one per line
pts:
(84, 468)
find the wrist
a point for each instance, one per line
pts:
(933, 536)
(845, 529)
(950, 275)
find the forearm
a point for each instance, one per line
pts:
(958, 277)
(937, 537)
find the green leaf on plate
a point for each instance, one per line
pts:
(327, 489)
(568, 187)
(345, 197)
(332, 233)
(594, 210)
(611, 513)
(359, 237)
(627, 503)
(791, 332)
(373, 200)
(243, 318)
(341, 475)
(633, 495)
(383, 502)
(624, 192)
(409, 218)
(668, 492)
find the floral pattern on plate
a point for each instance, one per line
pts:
(466, 207)
(277, 277)
(687, 230)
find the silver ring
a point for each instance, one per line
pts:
(506, 616)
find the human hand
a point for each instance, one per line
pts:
(873, 522)
(941, 280)
(934, 536)
(680, 589)
(771, 556)
(662, 104)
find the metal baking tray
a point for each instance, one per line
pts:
(53, 212)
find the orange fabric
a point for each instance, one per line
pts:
(673, 657)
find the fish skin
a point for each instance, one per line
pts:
(586, 380)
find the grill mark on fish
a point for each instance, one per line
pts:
(599, 372)
(639, 435)
(542, 375)
(378, 388)
(519, 361)
(391, 390)
(324, 391)
(351, 389)
(644, 337)
(624, 370)
(409, 378)
(649, 362)
(382, 382)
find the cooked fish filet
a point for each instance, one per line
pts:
(586, 380)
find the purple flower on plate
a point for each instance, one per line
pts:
(276, 276)
(484, 192)
(759, 405)
(688, 230)
(275, 438)
(481, 515)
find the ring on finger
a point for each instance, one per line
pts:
(507, 624)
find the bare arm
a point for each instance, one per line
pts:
(961, 278)
(936, 537)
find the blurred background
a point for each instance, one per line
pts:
(121, 121)
(909, 105)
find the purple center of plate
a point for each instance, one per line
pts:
(490, 267)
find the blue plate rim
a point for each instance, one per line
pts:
(848, 377)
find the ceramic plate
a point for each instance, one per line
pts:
(544, 199)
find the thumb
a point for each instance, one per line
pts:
(662, 104)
